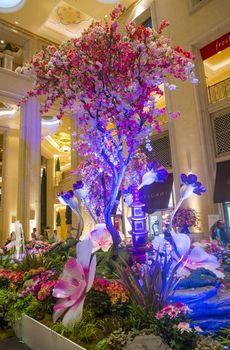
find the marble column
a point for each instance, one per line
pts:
(50, 192)
(29, 190)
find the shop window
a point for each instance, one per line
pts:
(217, 68)
(221, 128)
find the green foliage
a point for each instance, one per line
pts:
(85, 332)
(119, 338)
(224, 336)
(57, 165)
(156, 284)
(94, 299)
(139, 318)
(56, 263)
(6, 300)
(32, 261)
(28, 305)
(68, 215)
(58, 219)
(207, 343)
(105, 262)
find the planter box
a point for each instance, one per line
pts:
(39, 337)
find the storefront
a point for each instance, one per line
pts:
(222, 189)
(158, 201)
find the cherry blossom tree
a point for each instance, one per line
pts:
(111, 80)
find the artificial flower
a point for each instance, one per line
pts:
(100, 238)
(80, 190)
(190, 185)
(195, 258)
(156, 173)
(74, 283)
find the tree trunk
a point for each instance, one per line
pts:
(109, 207)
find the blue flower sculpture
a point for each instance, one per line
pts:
(191, 179)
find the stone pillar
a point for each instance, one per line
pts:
(187, 147)
(50, 193)
(29, 190)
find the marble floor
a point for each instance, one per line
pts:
(12, 344)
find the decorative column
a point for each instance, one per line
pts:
(29, 190)
(138, 219)
(50, 193)
(139, 233)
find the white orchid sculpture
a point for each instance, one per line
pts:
(68, 198)
(196, 257)
(74, 283)
(156, 173)
(100, 238)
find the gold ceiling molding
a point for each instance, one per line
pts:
(68, 15)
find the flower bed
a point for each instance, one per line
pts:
(120, 305)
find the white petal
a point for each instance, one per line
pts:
(91, 275)
(73, 314)
(182, 242)
(84, 250)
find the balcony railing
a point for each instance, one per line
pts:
(219, 91)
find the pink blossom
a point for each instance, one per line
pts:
(100, 238)
(172, 311)
(72, 286)
(184, 327)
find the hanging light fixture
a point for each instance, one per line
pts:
(11, 5)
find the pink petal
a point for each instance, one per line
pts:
(63, 305)
(91, 275)
(79, 291)
(73, 269)
(106, 236)
(84, 250)
(73, 314)
(63, 289)
(106, 247)
(57, 314)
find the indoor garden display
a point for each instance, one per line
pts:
(96, 290)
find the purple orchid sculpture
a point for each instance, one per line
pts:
(74, 283)
(189, 185)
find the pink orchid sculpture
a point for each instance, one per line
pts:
(72, 286)
(100, 238)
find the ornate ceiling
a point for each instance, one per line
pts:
(58, 20)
